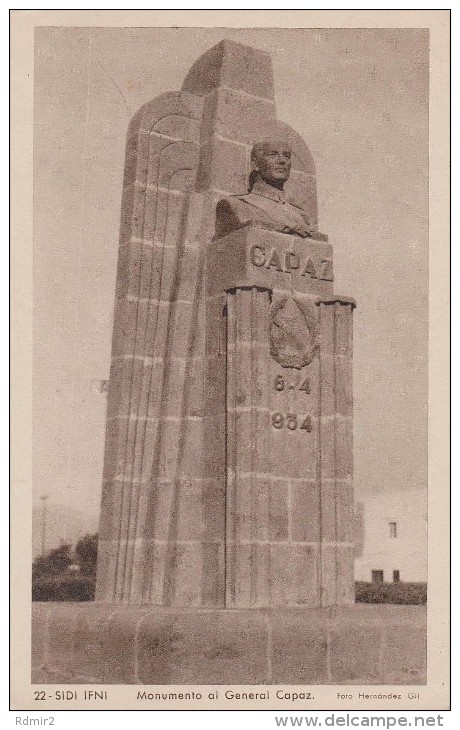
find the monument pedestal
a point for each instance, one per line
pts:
(227, 502)
(96, 643)
(286, 391)
(185, 498)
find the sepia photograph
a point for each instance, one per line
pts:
(231, 314)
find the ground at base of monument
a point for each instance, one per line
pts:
(98, 643)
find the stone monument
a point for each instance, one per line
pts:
(226, 535)
(228, 461)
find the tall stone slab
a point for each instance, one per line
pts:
(227, 473)
(154, 418)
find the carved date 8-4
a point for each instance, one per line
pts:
(280, 384)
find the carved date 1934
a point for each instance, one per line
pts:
(292, 421)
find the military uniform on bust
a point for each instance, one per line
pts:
(264, 207)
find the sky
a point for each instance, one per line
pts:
(359, 98)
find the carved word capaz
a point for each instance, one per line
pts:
(288, 261)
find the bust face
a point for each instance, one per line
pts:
(272, 161)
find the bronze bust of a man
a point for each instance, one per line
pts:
(265, 205)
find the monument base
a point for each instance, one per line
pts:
(95, 643)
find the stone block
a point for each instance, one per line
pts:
(259, 491)
(138, 315)
(244, 516)
(136, 156)
(213, 508)
(165, 106)
(239, 452)
(213, 574)
(246, 379)
(279, 517)
(154, 322)
(126, 377)
(165, 274)
(124, 331)
(121, 637)
(404, 659)
(133, 203)
(40, 618)
(144, 268)
(293, 575)
(93, 642)
(299, 648)
(118, 398)
(62, 640)
(111, 454)
(183, 572)
(305, 513)
(122, 280)
(236, 117)
(245, 258)
(344, 386)
(161, 506)
(245, 314)
(200, 574)
(234, 65)
(216, 322)
(205, 648)
(92, 636)
(153, 576)
(214, 391)
(182, 442)
(248, 575)
(327, 569)
(292, 453)
(182, 328)
(190, 282)
(177, 126)
(343, 330)
(224, 166)
(185, 386)
(327, 456)
(344, 447)
(345, 579)
(176, 166)
(172, 205)
(145, 399)
(190, 510)
(355, 654)
(213, 459)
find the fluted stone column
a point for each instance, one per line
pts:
(248, 479)
(335, 451)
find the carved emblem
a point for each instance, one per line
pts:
(293, 332)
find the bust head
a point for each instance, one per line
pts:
(271, 161)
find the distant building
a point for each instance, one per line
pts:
(392, 537)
